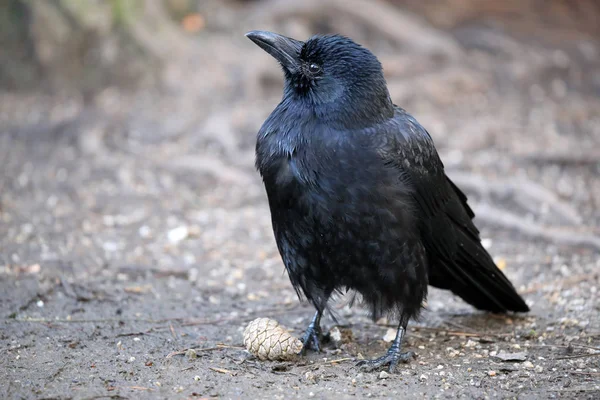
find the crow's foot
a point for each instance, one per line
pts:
(310, 340)
(392, 358)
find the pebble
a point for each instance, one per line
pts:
(528, 365)
(178, 234)
(310, 377)
(145, 231)
(423, 378)
(336, 336)
(492, 373)
(191, 354)
(383, 375)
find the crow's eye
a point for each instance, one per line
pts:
(313, 68)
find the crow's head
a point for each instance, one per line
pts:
(340, 79)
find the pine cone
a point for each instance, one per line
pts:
(268, 340)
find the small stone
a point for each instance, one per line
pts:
(538, 369)
(470, 343)
(191, 354)
(452, 352)
(528, 365)
(39, 303)
(131, 359)
(197, 378)
(504, 356)
(383, 375)
(335, 335)
(423, 378)
(144, 231)
(178, 234)
(492, 373)
(310, 377)
(110, 247)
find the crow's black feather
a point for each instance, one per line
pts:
(358, 195)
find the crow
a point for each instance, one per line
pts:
(358, 195)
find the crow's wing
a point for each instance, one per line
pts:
(457, 260)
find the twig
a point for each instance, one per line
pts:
(173, 333)
(39, 295)
(221, 370)
(141, 333)
(137, 388)
(339, 360)
(58, 372)
(217, 347)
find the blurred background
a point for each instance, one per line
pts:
(130, 208)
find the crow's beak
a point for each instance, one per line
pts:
(285, 50)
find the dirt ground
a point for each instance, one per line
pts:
(133, 226)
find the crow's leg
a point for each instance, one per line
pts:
(393, 355)
(312, 333)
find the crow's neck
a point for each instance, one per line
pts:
(355, 107)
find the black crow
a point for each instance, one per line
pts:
(358, 194)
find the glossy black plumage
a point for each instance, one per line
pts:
(358, 195)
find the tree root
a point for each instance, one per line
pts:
(392, 22)
(505, 219)
(528, 194)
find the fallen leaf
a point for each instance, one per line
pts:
(193, 23)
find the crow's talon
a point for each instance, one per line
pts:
(310, 340)
(392, 358)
